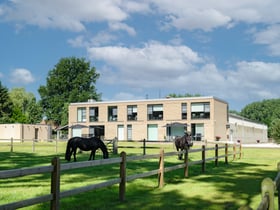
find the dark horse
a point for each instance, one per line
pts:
(85, 144)
(183, 143)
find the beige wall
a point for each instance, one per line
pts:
(25, 131)
(216, 125)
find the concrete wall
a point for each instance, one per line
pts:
(25, 131)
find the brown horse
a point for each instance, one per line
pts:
(183, 143)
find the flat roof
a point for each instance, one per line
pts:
(91, 101)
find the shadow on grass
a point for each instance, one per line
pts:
(238, 180)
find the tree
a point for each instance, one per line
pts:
(275, 130)
(263, 111)
(174, 95)
(71, 80)
(25, 107)
(35, 112)
(6, 105)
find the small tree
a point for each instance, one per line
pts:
(275, 130)
(6, 105)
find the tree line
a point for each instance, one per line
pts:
(73, 80)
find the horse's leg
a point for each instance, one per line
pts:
(70, 153)
(177, 148)
(91, 154)
(74, 152)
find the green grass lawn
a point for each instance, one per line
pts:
(222, 187)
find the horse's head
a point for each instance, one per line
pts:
(67, 156)
(105, 155)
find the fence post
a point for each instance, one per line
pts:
(203, 159)
(122, 176)
(186, 160)
(278, 185)
(240, 151)
(161, 169)
(234, 151)
(267, 187)
(55, 183)
(216, 154)
(33, 145)
(12, 144)
(144, 146)
(226, 153)
(115, 146)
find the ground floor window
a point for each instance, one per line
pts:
(197, 130)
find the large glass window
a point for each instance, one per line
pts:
(81, 114)
(184, 111)
(200, 110)
(132, 112)
(93, 114)
(155, 112)
(112, 113)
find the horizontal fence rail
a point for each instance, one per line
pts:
(56, 167)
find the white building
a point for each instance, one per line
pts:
(246, 131)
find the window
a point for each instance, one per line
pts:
(155, 112)
(129, 132)
(93, 114)
(200, 110)
(184, 111)
(132, 112)
(81, 114)
(112, 113)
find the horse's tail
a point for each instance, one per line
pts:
(68, 150)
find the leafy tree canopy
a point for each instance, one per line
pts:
(25, 107)
(174, 95)
(6, 105)
(71, 80)
(265, 111)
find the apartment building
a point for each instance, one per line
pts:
(150, 119)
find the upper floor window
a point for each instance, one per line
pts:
(81, 114)
(155, 112)
(112, 113)
(200, 110)
(132, 112)
(184, 111)
(93, 114)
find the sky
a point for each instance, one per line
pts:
(147, 49)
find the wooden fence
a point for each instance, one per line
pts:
(269, 187)
(56, 167)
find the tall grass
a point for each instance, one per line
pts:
(223, 187)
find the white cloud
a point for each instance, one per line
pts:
(21, 76)
(207, 15)
(269, 36)
(179, 69)
(122, 26)
(64, 14)
(153, 64)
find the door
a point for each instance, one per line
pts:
(120, 132)
(76, 132)
(152, 132)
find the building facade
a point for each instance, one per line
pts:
(19, 131)
(247, 131)
(150, 119)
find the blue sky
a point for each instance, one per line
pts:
(150, 48)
